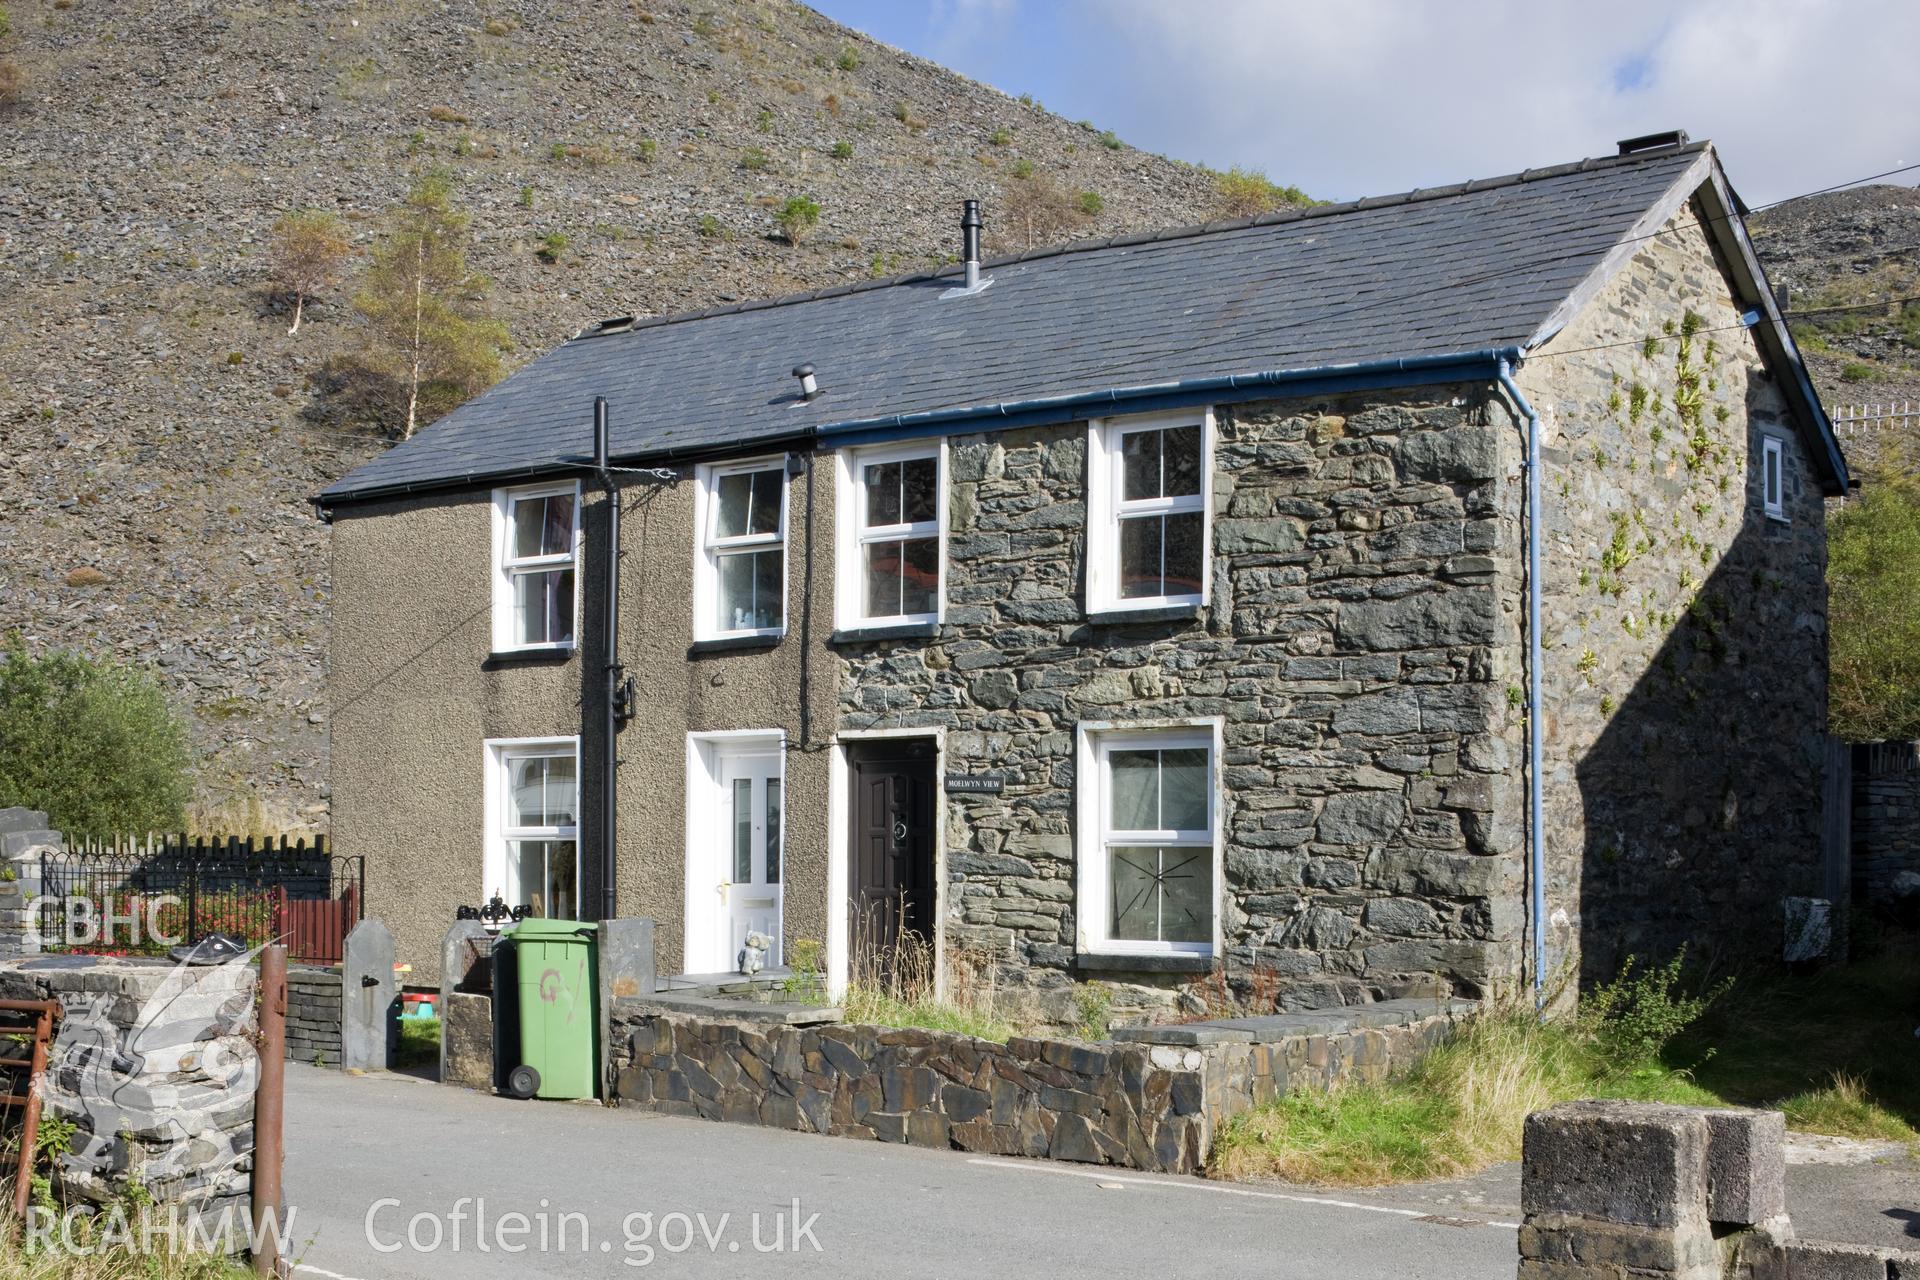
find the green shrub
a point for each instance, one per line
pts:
(753, 159)
(551, 248)
(797, 218)
(1022, 168)
(92, 743)
(764, 122)
(526, 197)
(1111, 141)
(1634, 1017)
(1246, 193)
(6, 23)
(710, 228)
(843, 151)
(1002, 138)
(849, 59)
(1857, 371)
(648, 149)
(1873, 583)
(1091, 204)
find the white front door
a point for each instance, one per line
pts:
(747, 859)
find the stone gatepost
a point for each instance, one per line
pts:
(1616, 1189)
(370, 999)
(625, 972)
(466, 1006)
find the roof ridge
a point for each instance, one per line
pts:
(1291, 213)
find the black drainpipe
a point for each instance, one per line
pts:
(616, 701)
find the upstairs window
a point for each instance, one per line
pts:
(1773, 476)
(536, 550)
(741, 574)
(890, 553)
(1147, 500)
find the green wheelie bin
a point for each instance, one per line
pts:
(558, 984)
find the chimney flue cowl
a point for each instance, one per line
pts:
(970, 225)
(809, 386)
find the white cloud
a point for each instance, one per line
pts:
(1363, 97)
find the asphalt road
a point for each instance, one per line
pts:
(658, 1194)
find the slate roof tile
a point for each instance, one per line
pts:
(1450, 269)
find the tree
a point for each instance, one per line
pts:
(1039, 212)
(308, 250)
(1873, 583)
(93, 744)
(425, 331)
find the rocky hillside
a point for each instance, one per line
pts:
(1858, 253)
(161, 432)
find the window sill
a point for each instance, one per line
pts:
(889, 631)
(1778, 517)
(731, 644)
(1148, 962)
(547, 655)
(1121, 616)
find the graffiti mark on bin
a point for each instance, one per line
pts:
(550, 987)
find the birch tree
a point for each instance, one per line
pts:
(427, 331)
(309, 248)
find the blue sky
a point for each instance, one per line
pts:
(1365, 97)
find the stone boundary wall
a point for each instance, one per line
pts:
(156, 1065)
(1134, 1103)
(314, 1006)
(1886, 824)
(1645, 1191)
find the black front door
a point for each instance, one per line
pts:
(891, 884)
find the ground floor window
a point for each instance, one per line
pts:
(533, 845)
(1148, 854)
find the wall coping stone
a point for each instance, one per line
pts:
(777, 1013)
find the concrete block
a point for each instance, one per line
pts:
(1632, 1163)
(1746, 1165)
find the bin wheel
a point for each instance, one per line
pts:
(523, 1082)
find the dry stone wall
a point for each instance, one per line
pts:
(156, 1066)
(313, 1016)
(1371, 841)
(1154, 1101)
(1886, 826)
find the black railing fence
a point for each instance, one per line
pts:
(146, 897)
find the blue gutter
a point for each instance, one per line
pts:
(1369, 375)
(1536, 789)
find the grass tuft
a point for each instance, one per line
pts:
(1648, 1036)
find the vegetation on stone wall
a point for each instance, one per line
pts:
(1825, 1048)
(1873, 582)
(93, 744)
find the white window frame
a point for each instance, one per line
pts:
(1773, 487)
(1094, 742)
(1105, 509)
(708, 551)
(852, 535)
(506, 566)
(498, 832)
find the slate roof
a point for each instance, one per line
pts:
(1485, 264)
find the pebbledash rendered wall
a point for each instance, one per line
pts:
(1155, 1103)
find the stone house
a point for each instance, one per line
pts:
(1153, 611)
